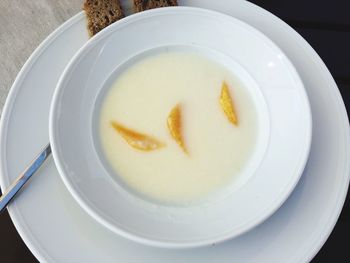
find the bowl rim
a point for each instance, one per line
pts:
(147, 240)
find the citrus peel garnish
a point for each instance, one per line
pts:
(136, 139)
(227, 104)
(175, 126)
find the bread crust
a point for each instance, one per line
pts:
(101, 13)
(142, 5)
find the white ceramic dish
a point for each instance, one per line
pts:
(283, 141)
(56, 229)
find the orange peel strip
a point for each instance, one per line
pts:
(136, 139)
(175, 126)
(227, 104)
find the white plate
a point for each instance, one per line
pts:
(56, 229)
(283, 139)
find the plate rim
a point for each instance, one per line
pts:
(15, 215)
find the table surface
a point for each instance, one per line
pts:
(324, 24)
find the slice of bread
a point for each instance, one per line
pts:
(101, 13)
(142, 5)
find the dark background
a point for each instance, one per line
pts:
(326, 26)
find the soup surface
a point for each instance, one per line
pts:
(166, 127)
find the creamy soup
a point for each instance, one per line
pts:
(165, 132)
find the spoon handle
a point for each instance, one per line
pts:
(10, 193)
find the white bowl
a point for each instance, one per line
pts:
(283, 142)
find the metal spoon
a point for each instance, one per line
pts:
(14, 188)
